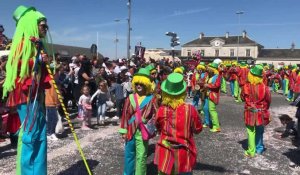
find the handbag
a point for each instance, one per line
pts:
(148, 130)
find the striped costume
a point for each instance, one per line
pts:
(176, 149)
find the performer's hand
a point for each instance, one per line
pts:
(124, 138)
(205, 85)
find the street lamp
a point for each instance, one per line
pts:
(239, 13)
(174, 41)
(129, 29)
(116, 40)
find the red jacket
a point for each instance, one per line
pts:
(297, 84)
(242, 76)
(257, 102)
(232, 73)
(292, 79)
(176, 147)
(214, 88)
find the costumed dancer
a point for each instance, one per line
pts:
(257, 99)
(155, 83)
(213, 94)
(203, 94)
(195, 87)
(232, 72)
(138, 109)
(285, 80)
(26, 80)
(242, 79)
(222, 72)
(276, 79)
(177, 122)
(292, 79)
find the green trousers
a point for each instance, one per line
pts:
(136, 155)
(255, 140)
(223, 85)
(237, 91)
(213, 115)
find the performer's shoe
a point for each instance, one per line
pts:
(205, 125)
(248, 155)
(215, 130)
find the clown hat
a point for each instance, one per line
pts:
(174, 84)
(213, 65)
(257, 70)
(143, 72)
(20, 11)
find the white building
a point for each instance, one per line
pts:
(224, 47)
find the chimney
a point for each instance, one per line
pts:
(244, 33)
(227, 35)
(293, 46)
(201, 35)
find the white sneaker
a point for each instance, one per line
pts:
(115, 118)
(105, 118)
(53, 137)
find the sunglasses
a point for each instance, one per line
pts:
(45, 26)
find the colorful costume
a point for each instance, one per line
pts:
(27, 91)
(257, 99)
(242, 79)
(232, 73)
(213, 93)
(292, 79)
(276, 79)
(136, 148)
(177, 122)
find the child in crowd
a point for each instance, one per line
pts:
(102, 95)
(290, 126)
(86, 107)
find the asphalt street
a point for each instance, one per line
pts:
(218, 153)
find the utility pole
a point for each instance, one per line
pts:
(129, 29)
(239, 13)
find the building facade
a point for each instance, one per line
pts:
(226, 47)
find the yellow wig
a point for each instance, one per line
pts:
(234, 63)
(254, 79)
(200, 67)
(142, 80)
(216, 71)
(178, 70)
(173, 100)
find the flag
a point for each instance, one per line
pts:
(139, 51)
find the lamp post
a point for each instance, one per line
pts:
(129, 29)
(174, 42)
(116, 40)
(239, 13)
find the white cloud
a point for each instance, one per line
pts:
(107, 24)
(265, 24)
(188, 12)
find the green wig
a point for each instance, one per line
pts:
(22, 49)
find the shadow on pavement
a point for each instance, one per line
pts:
(5, 154)
(79, 168)
(293, 155)
(211, 168)
(244, 144)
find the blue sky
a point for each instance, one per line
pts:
(272, 23)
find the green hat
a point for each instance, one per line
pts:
(294, 66)
(183, 69)
(150, 67)
(257, 70)
(174, 84)
(213, 65)
(20, 11)
(202, 63)
(243, 64)
(143, 72)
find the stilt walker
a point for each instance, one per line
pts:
(257, 99)
(26, 80)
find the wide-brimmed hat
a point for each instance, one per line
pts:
(150, 67)
(174, 84)
(20, 11)
(257, 70)
(243, 64)
(213, 65)
(143, 72)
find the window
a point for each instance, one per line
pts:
(202, 52)
(248, 53)
(189, 53)
(217, 52)
(231, 52)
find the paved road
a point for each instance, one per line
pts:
(218, 153)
